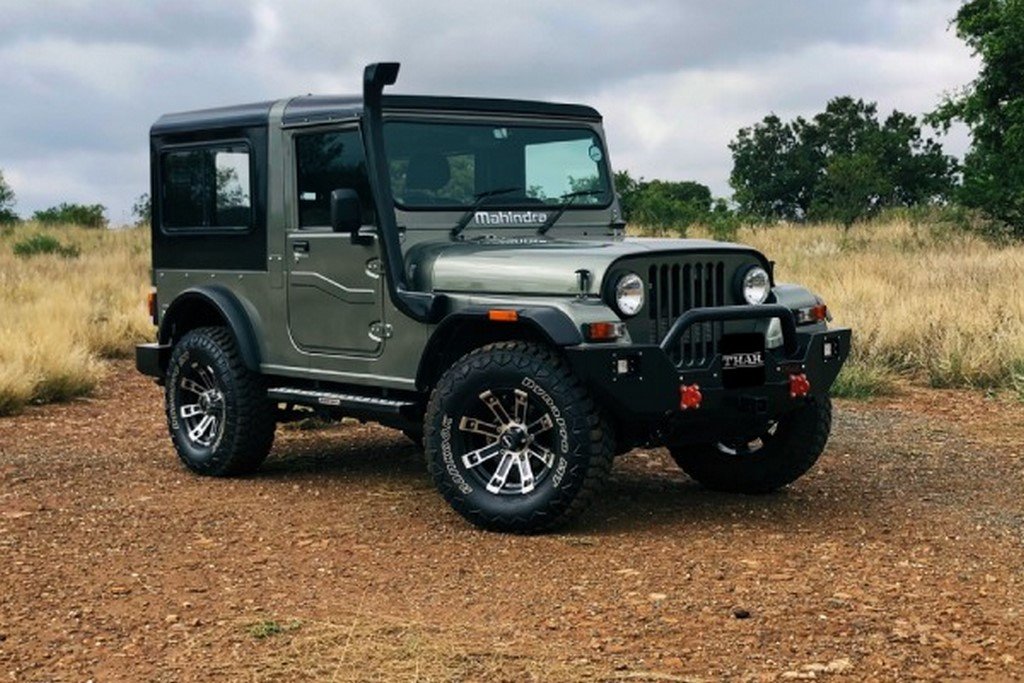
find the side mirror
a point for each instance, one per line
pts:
(346, 212)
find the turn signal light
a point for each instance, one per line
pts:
(690, 397)
(799, 385)
(604, 331)
(811, 314)
(502, 315)
(151, 305)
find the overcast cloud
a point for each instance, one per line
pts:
(82, 80)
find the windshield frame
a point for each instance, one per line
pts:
(511, 121)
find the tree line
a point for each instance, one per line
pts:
(847, 163)
(844, 164)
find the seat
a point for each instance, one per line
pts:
(427, 173)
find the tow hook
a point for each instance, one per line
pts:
(690, 397)
(799, 385)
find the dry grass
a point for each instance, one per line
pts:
(377, 647)
(61, 316)
(927, 304)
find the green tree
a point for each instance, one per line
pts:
(804, 168)
(7, 202)
(992, 107)
(853, 187)
(85, 215)
(664, 203)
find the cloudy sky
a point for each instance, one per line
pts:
(82, 80)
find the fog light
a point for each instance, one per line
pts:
(690, 397)
(799, 385)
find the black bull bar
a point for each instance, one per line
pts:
(641, 381)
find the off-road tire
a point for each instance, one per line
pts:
(247, 433)
(580, 454)
(783, 458)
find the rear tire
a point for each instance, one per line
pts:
(777, 458)
(220, 419)
(513, 441)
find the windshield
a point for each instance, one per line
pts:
(459, 165)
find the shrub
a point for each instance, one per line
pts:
(85, 215)
(38, 244)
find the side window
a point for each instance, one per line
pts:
(326, 162)
(207, 188)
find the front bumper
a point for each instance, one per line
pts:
(639, 384)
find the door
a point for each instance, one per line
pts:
(335, 293)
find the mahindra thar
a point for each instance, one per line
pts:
(458, 268)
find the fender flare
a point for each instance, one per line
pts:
(231, 310)
(549, 323)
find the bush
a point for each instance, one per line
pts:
(86, 216)
(44, 244)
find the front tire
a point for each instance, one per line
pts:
(780, 456)
(513, 441)
(220, 419)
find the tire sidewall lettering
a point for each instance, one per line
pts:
(556, 413)
(448, 457)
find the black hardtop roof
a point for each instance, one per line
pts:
(324, 108)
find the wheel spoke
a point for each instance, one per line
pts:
(540, 425)
(191, 385)
(495, 406)
(474, 458)
(206, 375)
(471, 424)
(522, 401)
(542, 454)
(497, 481)
(190, 410)
(525, 473)
(196, 433)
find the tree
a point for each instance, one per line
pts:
(853, 187)
(775, 169)
(992, 107)
(7, 202)
(663, 203)
(808, 168)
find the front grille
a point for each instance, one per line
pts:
(676, 288)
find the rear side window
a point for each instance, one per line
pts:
(207, 188)
(326, 162)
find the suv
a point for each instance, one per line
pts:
(458, 268)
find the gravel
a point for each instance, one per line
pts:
(898, 557)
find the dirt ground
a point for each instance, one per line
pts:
(898, 557)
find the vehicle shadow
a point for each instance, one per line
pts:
(638, 496)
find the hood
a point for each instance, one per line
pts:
(537, 266)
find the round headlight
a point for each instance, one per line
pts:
(629, 294)
(756, 285)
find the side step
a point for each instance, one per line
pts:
(345, 402)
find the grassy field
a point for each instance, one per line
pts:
(928, 305)
(62, 314)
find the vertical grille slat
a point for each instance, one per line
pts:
(676, 288)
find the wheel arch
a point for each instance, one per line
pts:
(212, 305)
(461, 332)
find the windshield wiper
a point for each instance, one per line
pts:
(480, 198)
(568, 200)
